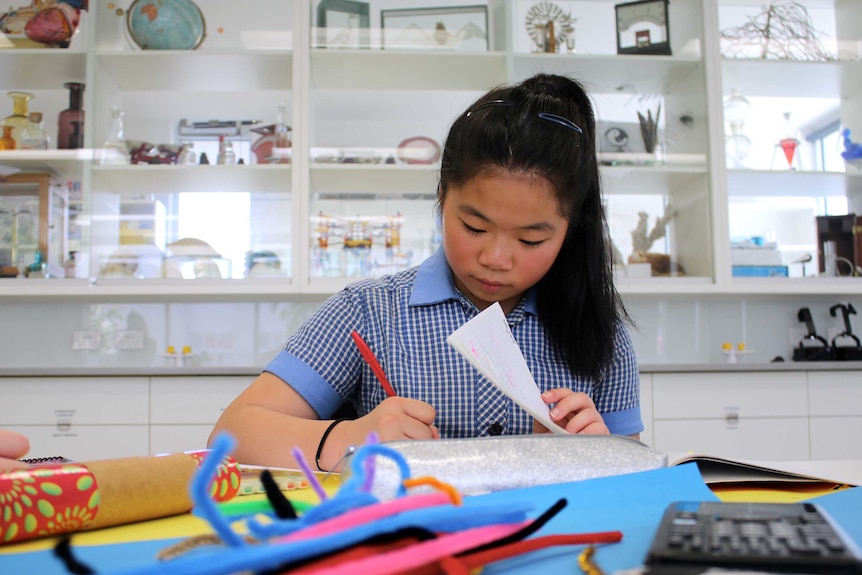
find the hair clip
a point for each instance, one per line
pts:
(486, 105)
(561, 121)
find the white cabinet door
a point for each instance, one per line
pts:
(646, 409)
(177, 438)
(774, 439)
(835, 404)
(734, 414)
(193, 400)
(184, 409)
(74, 400)
(76, 417)
(85, 442)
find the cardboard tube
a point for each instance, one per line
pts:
(137, 489)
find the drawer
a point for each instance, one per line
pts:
(86, 442)
(194, 400)
(74, 400)
(835, 393)
(178, 438)
(836, 437)
(779, 439)
(718, 395)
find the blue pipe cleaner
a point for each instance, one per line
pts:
(199, 490)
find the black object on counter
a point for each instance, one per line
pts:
(846, 352)
(818, 348)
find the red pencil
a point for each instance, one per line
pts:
(368, 355)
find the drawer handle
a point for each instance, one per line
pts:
(732, 418)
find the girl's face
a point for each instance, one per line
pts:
(501, 234)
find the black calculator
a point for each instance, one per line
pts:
(698, 537)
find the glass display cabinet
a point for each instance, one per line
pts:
(792, 84)
(287, 148)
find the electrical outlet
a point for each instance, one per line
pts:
(130, 339)
(86, 340)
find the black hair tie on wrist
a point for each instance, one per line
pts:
(323, 440)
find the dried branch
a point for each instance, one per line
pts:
(783, 31)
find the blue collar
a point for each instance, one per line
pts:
(434, 284)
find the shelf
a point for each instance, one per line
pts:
(200, 71)
(795, 286)
(378, 179)
(406, 70)
(37, 69)
(147, 179)
(653, 180)
(65, 164)
(610, 74)
(661, 286)
(147, 290)
(778, 183)
(766, 78)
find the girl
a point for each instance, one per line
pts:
(523, 225)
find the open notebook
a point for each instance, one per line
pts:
(716, 469)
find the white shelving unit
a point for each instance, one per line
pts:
(346, 98)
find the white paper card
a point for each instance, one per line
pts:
(488, 344)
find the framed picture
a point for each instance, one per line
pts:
(342, 24)
(462, 28)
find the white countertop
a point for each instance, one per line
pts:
(252, 372)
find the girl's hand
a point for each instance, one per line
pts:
(574, 411)
(12, 447)
(396, 418)
(399, 418)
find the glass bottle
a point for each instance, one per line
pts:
(70, 123)
(788, 141)
(282, 143)
(220, 155)
(736, 108)
(737, 146)
(115, 150)
(7, 142)
(35, 137)
(228, 156)
(18, 120)
(190, 157)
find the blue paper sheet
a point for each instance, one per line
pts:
(630, 503)
(845, 507)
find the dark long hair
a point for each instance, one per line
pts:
(545, 126)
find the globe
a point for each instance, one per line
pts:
(165, 24)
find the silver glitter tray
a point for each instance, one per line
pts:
(487, 464)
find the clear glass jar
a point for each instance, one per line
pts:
(35, 137)
(115, 150)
